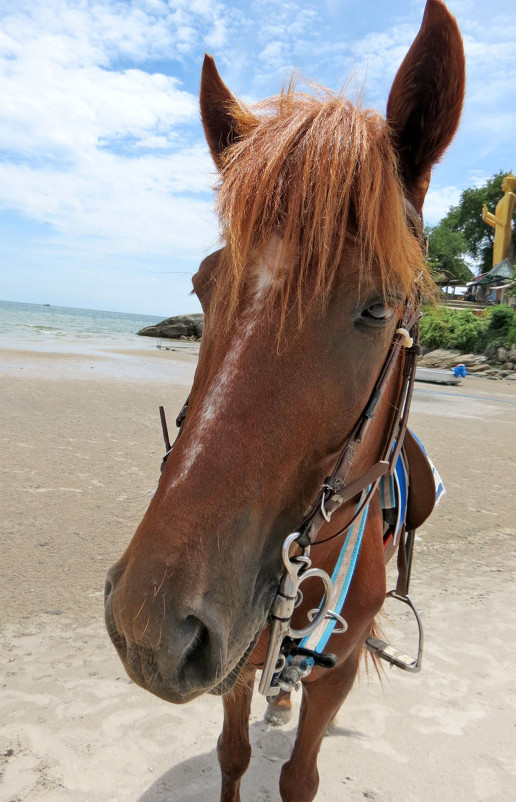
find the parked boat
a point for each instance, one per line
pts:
(437, 376)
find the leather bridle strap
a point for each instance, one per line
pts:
(334, 491)
(180, 422)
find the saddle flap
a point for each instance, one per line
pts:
(422, 493)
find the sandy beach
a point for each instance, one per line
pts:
(81, 448)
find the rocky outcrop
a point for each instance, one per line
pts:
(499, 363)
(440, 358)
(181, 327)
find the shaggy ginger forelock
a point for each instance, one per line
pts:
(317, 172)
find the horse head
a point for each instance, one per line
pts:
(320, 204)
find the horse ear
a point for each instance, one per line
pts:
(425, 102)
(216, 110)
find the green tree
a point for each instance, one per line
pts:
(446, 249)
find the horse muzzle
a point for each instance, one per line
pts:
(176, 652)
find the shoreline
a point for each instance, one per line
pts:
(86, 359)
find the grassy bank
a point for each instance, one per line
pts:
(464, 331)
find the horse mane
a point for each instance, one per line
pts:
(321, 174)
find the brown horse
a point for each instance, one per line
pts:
(320, 205)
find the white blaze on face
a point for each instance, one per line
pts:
(219, 391)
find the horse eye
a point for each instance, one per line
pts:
(378, 311)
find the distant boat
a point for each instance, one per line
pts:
(437, 376)
(46, 304)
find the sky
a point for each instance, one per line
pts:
(106, 184)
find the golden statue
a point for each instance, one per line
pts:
(501, 220)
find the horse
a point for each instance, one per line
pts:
(298, 403)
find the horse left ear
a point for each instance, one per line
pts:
(216, 110)
(426, 98)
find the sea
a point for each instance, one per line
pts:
(102, 344)
(56, 327)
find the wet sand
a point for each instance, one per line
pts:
(81, 448)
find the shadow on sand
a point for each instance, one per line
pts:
(197, 779)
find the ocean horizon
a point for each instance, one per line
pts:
(43, 325)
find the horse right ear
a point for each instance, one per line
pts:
(216, 103)
(426, 99)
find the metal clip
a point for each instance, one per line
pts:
(325, 514)
(297, 569)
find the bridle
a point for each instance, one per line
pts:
(284, 641)
(334, 492)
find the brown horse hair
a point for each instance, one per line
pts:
(321, 174)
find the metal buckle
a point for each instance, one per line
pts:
(326, 515)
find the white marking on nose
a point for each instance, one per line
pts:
(218, 393)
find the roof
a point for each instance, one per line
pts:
(502, 270)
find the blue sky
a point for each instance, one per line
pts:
(105, 179)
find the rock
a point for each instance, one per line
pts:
(176, 328)
(440, 358)
(502, 355)
(471, 360)
(512, 353)
(483, 367)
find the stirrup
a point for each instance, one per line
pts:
(384, 651)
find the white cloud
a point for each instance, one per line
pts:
(100, 153)
(438, 201)
(64, 110)
(135, 206)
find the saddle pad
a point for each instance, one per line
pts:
(414, 488)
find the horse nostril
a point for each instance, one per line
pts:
(190, 651)
(199, 646)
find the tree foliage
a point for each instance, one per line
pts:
(442, 327)
(471, 233)
(446, 249)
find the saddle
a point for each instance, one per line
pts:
(410, 494)
(423, 490)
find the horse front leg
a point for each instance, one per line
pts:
(233, 747)
(321, 701)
